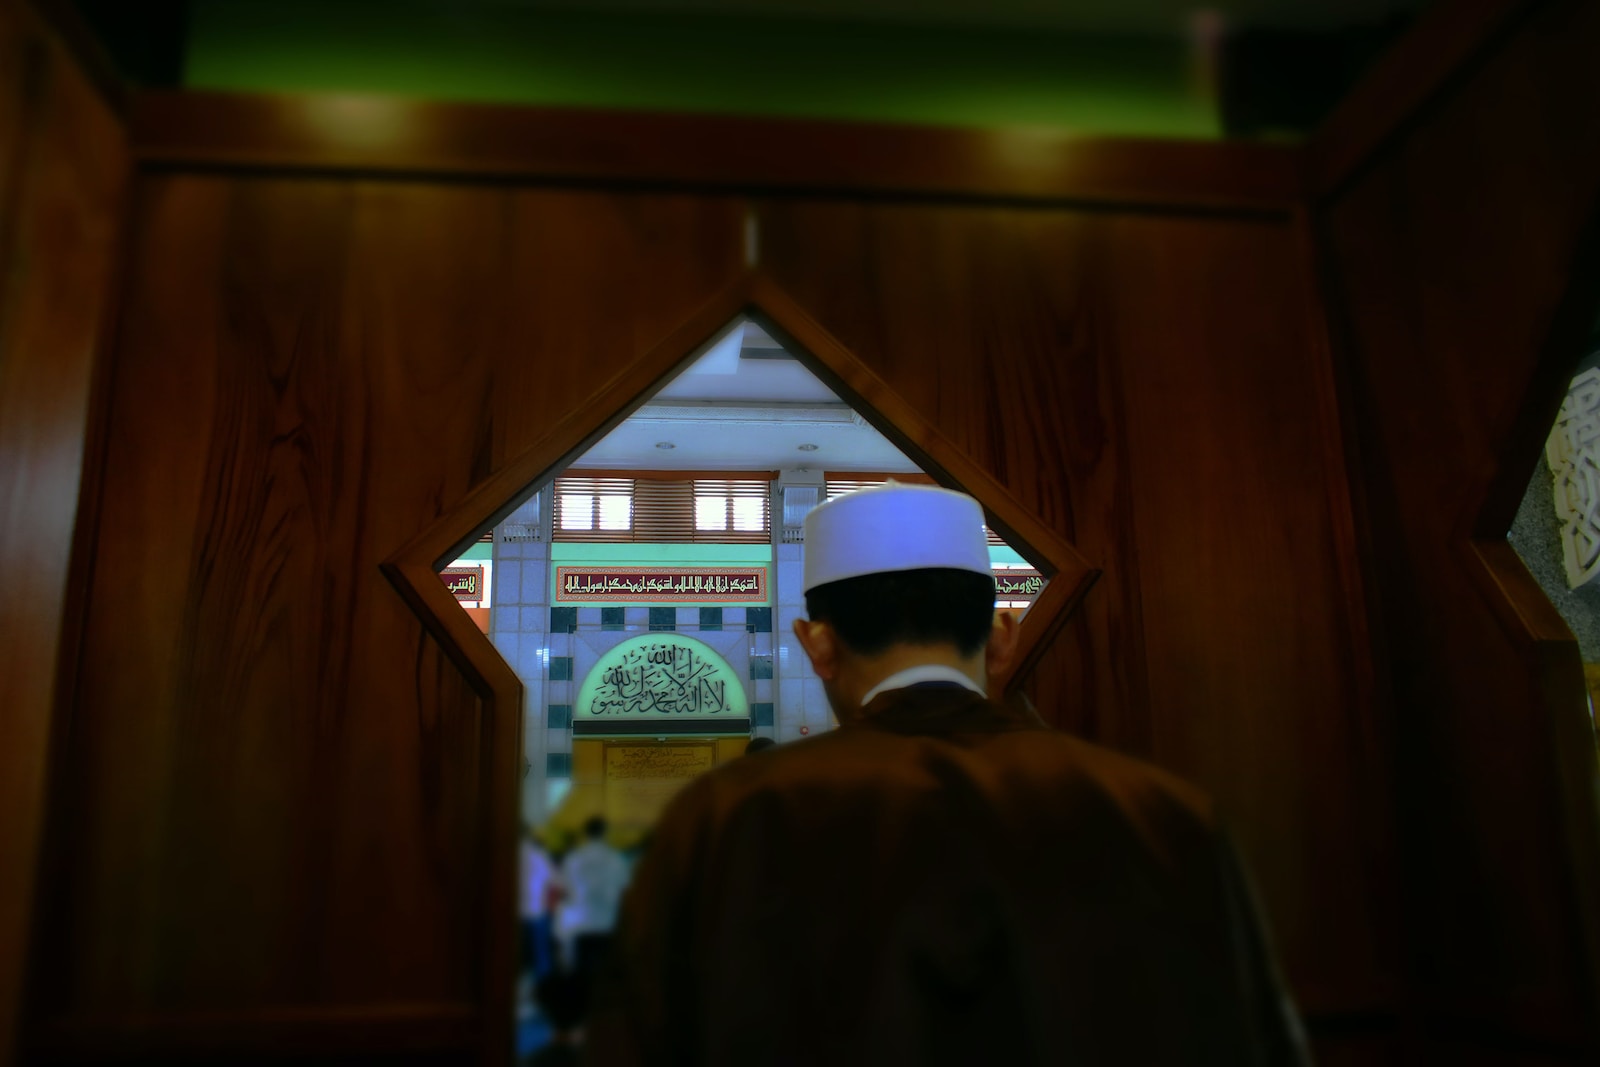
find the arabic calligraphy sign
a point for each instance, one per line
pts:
(661, 676)
(640, 779)
(1014, 585)
(662, 585)
(465, 582)
(658, 761)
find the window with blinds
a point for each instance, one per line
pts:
(593, 509)
(840, 484)
(663, 510)
(737, 510)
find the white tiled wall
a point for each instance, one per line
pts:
(518, 626)
(801, 701)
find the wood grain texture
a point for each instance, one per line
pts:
(63, 168)
(1248, 635)
(387, 135)
(1146, 386)
(632, 270)
(1452, 274)
(283, 791)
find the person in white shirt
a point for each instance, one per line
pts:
(593, 876)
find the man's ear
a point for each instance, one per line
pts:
(821, 645)
(1001, 652)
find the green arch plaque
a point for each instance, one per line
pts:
(661, 677)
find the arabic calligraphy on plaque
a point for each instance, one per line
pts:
(662, 676)
(1018, 584)
(703, 585)
(465, 582)
(668, 679)
(641, 779)
(680, 761)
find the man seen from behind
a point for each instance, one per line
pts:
(943, 879)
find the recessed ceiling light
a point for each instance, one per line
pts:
(664, 445)
(808, 448)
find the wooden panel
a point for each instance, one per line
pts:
(239, 477)
(1467, 279)
(630, 270)
(282, 800)
(388, 135)
(1252, 671)
(1147, 385)
(63, 166)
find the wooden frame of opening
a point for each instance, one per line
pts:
(413, 569)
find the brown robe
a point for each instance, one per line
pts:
(950, 882)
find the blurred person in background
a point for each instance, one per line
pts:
(592, 878)
(538, 884)
(943, 879)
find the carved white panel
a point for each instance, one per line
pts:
(1573, 453)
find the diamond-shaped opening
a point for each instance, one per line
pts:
(686, 518)
(672, 546)
(1556, 531)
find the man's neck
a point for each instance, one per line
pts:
(868, 674)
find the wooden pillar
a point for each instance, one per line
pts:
(63, 169)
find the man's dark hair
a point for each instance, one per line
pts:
(595, 827)
(928, 606)
(759, 744)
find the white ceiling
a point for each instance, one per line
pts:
(1092, 16)
(736, 407)
(731, 369)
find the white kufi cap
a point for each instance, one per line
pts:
(894, 527)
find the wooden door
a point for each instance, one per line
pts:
(63, 168)
(289, 818)
(1461, 225)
